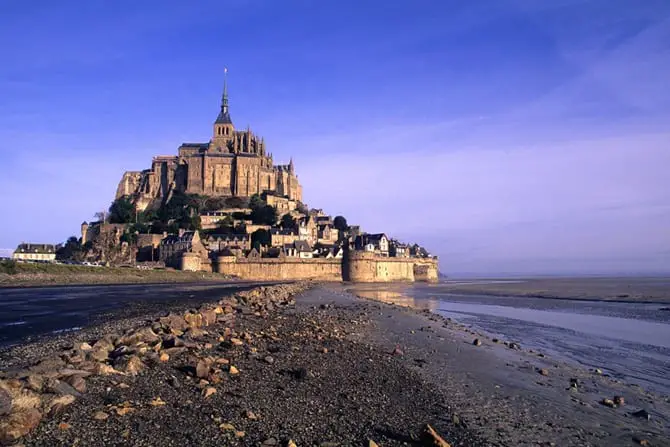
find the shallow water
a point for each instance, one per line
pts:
(630, 341)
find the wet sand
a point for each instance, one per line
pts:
(387, 370)
(624, 289)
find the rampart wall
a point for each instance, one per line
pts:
(355, 267)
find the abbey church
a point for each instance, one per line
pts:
(233, 163)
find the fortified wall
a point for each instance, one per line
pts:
(354, 267)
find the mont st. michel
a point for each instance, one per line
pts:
(225, 206)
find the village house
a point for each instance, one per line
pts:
(284, 205)
(327, 234)
(219, 242)
(35, 252)
(174, 246)
(307, 230)
(398, 250)
(303, 250)
(212, 219)
(377, 243)
(280, 237)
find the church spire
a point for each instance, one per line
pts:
(224, 115)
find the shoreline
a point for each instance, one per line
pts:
(426, 365)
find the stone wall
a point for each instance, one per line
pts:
(355, 267)
(278, 269)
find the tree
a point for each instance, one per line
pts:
(215, 203)
(264, 215)
(100, 216)
(71, 250)
(122, 211)
(340, 223)
(302, 208)
(287, 222)
(235, 202)
(256, 202)
(260, 237)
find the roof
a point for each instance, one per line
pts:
(196, 145)
(227, 237)
(283, 231)
(174, 239)
(302, 246)
(36, 248)
(223, 118)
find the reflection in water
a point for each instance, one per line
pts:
(394, 294)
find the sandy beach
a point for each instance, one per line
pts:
(329, 369)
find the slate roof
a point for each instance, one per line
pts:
(302, 246)
(36, 248)
(174, 239)
(223, 118)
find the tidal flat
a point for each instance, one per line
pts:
(332, 369)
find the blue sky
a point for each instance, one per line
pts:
(509, 136)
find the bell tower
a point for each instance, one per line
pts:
(223, 126)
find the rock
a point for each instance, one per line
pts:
(643, 414)
(62, 388)
(477, 342)
(619, 401)
(172, 321)
(133, 365)
(85, 347)
(641, 441)
(18, 424)
(270, 441)
(227, 427)
(608, 403)
(144, 335)
(233, 370)
(432, 438)
(157, 402)
(208, 317)
(164, 357)
(543, 371)
(73, 372)
(58, 404)
(77, 382)
(103, 369)
(269, 359)
(324, 350)
(291, 443)
(173, 342)
(208, 391)
(103, 345)
(100, 416)
(202, 369)
(98, 355)
(64, 426)
(239, 434)
(5, 402)
(194, 333)
(35, 382)
(193, 319)
(455, 419)
(250, 415)
(598, 371)
(514, 346)
(397, 351)
(371, 443)
(236, 341)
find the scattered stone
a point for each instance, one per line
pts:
(431, 437)
(619, 401)
(227, 426)
(202, 369)
(133, 365)
(157, 402)
(208, 391)
(122, 411)
(64, 426)
(598, 371)
(233, 370)
(77, 382)
(85, 347)
(269, 359)
(477, 342)
(123, 385)
(643, 414)
(397, 351)
(324, 350)
(291, 443)
(608, 403)
(455, 419)
(236, 342)
(100, 416)
(62, 388)
(18, 424)
(164, 357)
(543, 371)
(58, 404)
(250, 415)
(5, 402)
(34, 382)
(270, 441)
(641, 441)
(371, 443)
(515, 346)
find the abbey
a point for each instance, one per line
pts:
(233, 163)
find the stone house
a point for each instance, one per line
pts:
(173, 247)
(210, 219)
(327, 234)
(284, 205)
(35, 252)
(398, 250)
(307, 230)
(377, 243)
(299, 249)
(218, 242)
(280, 237)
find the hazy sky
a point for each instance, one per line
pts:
(515, 136)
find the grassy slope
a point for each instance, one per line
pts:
(20, 274)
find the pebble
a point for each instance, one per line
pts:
(100, 416)
(269, 359)
(543, 371)
(208, 392)
(619, 400)
(233, 370)
(477, 342)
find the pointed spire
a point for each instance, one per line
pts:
(224, 114)
(290, 165)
